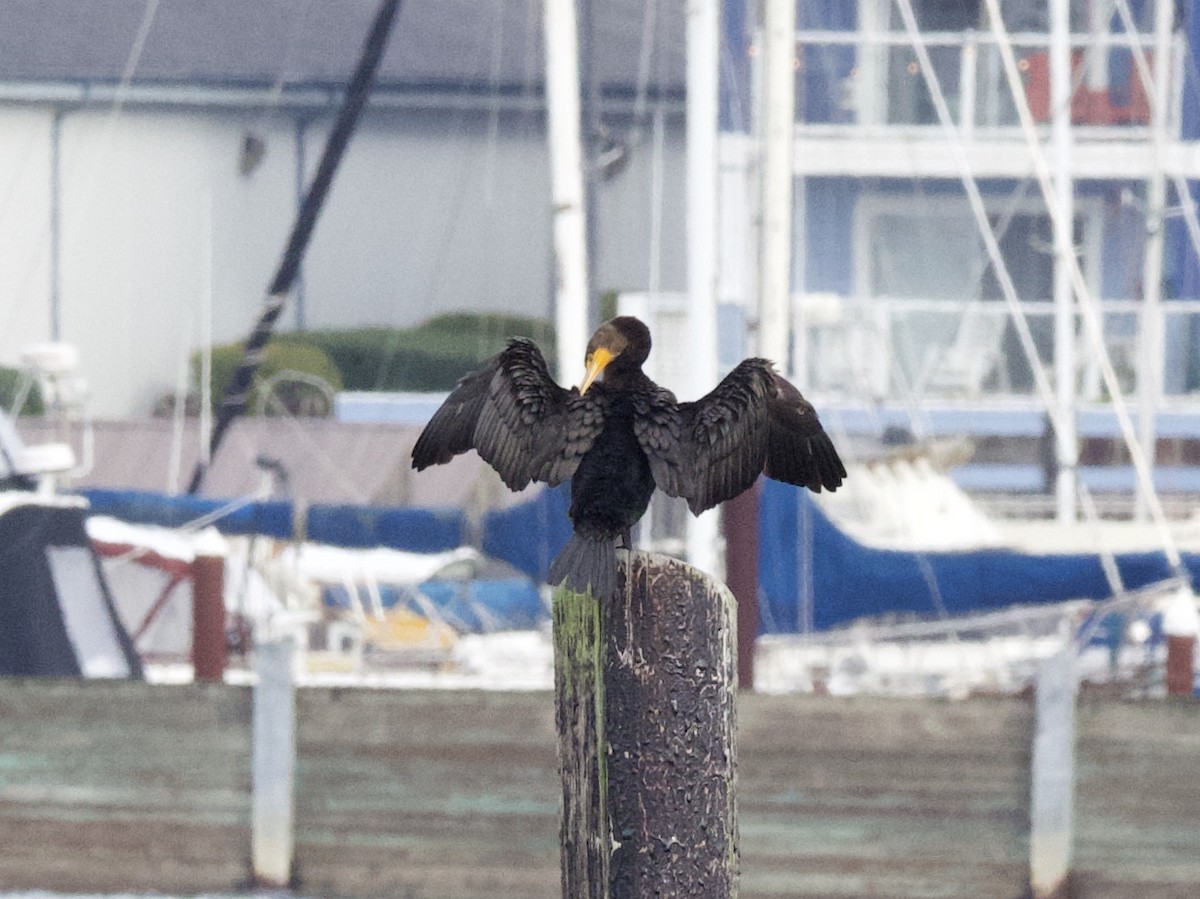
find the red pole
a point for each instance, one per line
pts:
(1181, 665)
(740, 521)
(210, 649)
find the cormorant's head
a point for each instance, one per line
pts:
(623, 341)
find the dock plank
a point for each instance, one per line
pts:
(138, 788)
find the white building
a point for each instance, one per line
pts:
(152, 157)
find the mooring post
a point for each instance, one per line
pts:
(210, 645)
(644, 690)
(1052, 787)
(1181, 624)
(273, 763)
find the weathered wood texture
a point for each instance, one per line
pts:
(583, 756)
(128, 787)
(419, 794)
(1137, 799)
(884, 797)
(118, 786)
(644, 690)
(670, 675)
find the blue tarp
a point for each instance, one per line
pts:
(467, 606)
(530, 535)
(846, 580)
(355, 527)
(269, 518)
(415, 530)
(805, 561)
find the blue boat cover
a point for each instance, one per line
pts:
(804, 559)
(810, 572)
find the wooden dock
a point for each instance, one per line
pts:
(131, 787)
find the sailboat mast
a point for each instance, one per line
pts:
(1150, 350)
(569, 215)
(703, 61)
(1065, 330)
(779, 137)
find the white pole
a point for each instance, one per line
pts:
(778, 139)
(1150, 361)
(206, 330)
(273, 763)
(703, 42)
(1052, 780)
(566, 186)
(1067, 445)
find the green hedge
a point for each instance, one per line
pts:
(431, 356)
(10, 382)
(283, 354)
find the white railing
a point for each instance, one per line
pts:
(898, 349)
(871, 79)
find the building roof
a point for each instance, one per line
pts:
(460, 45)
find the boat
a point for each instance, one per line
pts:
(58, 616)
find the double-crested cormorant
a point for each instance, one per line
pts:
(622, 436)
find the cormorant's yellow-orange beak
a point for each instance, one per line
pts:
(596, 362)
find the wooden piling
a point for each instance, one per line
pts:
(1181, 666)
(210, 646)
(739, 520)
(644, 688)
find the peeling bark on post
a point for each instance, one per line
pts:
(662, 753)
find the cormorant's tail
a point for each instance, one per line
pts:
(587, 563)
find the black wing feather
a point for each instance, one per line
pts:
(800, 452)
(728, 431)
(754, 422)
(521, 422)
(452, 429)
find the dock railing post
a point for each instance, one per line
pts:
(210, 646)
(273, 763)
(644, 692)
(1052, 787)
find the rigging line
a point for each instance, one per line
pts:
(1087, 305)
(1007, 217)
(332, 467)
(357, 91)
(1108, 559)
(658, 140)
(645, 59)
(978, 208)
(199, 523)
(1182, 188)
(454, 136)
(275, 97)
(493, 128)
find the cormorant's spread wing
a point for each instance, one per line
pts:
(799, 451)
(659, 429)
(522, 423)
(753, 422)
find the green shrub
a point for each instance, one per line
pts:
(431, 356)
(10, 383)
(296, 395)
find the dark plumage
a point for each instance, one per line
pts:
(621, 437)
